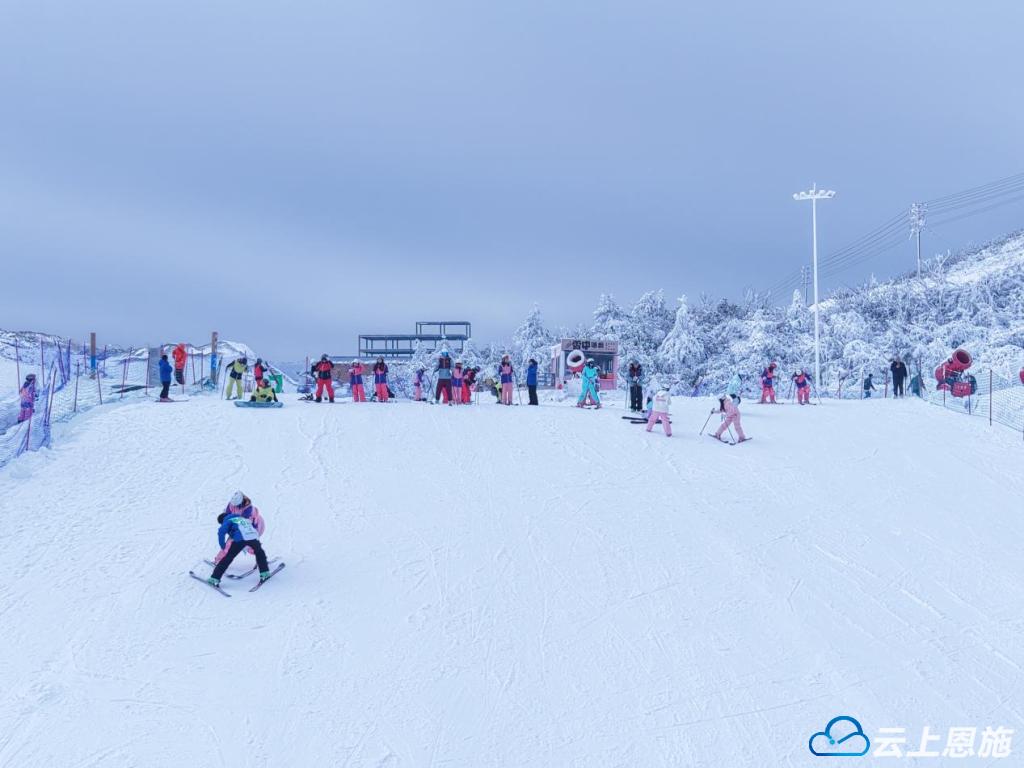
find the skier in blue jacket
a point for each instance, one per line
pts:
(243, 534)
(589, 376)
(531, 381)
(165, 379)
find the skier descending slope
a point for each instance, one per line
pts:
(241, 505)
(505, 373)
(380, 380)
(323, 370)
(589, 379)
(443, 388)
(768, 384)
(242, 535)
(731, 416)
(355, 375)
(803, 386)
(660, 412)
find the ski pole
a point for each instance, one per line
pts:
(706, 422)
(731, 434)
(519, 392)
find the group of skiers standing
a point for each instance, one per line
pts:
(801, 380)
(323, 372)
(264, 391)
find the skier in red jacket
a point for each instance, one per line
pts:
(323, 371)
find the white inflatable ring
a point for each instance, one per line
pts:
(575, 361)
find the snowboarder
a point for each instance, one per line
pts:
(590, 387)
(730, 416)
(180, 356)
(443, 388)
(323, 370)
(165, 379)
(734, 388)
(417, 384)
(380, 380)
(468, 383)
(264, 392)
(355, 380)
(768, 384)
(242, 534)
(660, 412)
(869, 385)
(899, 375)
(636, 388)
(505, 374)
(235, 373)
(28, 398)
(458, 375)
(802, 380)
(531, 381)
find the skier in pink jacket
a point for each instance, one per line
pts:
(242, 506)
(731, 418)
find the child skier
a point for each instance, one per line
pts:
(323, 371)
(242, 533)
(768, 384)
(869, 385)
(468, 382)
(28, 398)
(731, 416)
(531, 381)
(380, 380)
(733, 390)
(235, 373)
(457, 378)
(505, 373)
(802, 380)
(165, 379)
(659, 412)
(355, 379)
(241, 505)
(589, 378)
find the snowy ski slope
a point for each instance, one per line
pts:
(507, 586)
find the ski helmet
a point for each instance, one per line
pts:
(237, 498)
(323, 356)
(590, 361)
(245, 359)
(259, 361)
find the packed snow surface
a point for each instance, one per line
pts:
(520, 586)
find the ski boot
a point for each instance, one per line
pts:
(213, 582)
(264, 575)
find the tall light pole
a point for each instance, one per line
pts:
(917, 214)
(814, 195)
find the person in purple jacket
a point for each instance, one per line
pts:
(505, 375)
(28, 398)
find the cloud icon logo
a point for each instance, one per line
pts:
(842, 737)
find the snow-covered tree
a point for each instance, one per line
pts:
(682, 352)
(644, 330)
(609, 319)
(531, 339)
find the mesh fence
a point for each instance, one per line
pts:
(66, 384)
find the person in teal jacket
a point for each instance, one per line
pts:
(733, 390)
(590, 388)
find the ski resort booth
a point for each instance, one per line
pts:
(569, 356)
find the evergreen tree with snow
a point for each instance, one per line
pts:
(682, 352)
(531, 340)
(648, 324)
(609, 319)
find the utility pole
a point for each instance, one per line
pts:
(805, 278)
(814, 195)
(917, 213)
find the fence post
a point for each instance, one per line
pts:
(42, 361)
(78, 375)
(124, 372)
(17, 363)
(192, 360)
(149, 363)
(213, 358)
(92, 353)
(49, 400)
(990, 397)
(885, 392)
(99, 388)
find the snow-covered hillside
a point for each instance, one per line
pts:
(493, 586)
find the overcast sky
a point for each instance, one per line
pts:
(294, 173)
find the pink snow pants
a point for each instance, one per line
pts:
(506, 393)
(803, 395)
(734, 420)
(358, 393)
(382, 393)
(767, 394)
(661, 416)
(417, 392)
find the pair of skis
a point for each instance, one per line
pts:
(259, 583)
(730, 442)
